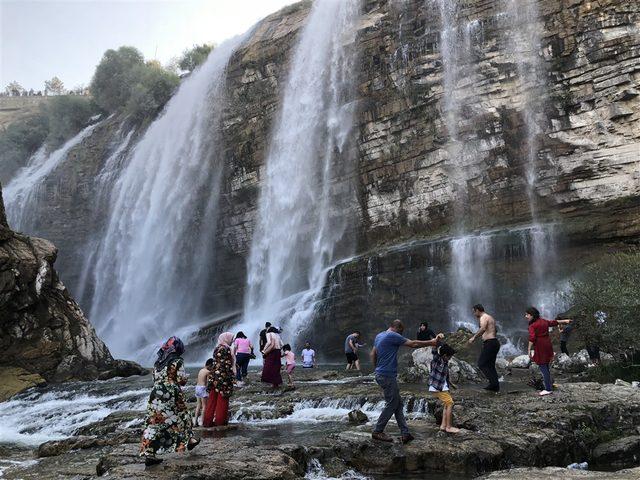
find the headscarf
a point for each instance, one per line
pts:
(170, 350)
(226, 339)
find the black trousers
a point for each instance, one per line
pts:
(563, 347)
(487, 362)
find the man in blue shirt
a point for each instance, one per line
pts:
(384, 356)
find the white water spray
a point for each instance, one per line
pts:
(153, 266)
(303, 202)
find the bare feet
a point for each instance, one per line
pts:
(452, 430)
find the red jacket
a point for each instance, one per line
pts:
(539, 336)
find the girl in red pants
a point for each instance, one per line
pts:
(220, 383)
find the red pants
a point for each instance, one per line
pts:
(217, 411)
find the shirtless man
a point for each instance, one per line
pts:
(490, 347)
(201, 389)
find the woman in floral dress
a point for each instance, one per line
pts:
(168, 424)
(220, 382)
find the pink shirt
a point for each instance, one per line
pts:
(243, 345)
(290, 358)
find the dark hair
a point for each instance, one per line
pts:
(286, 347)
(357, 332)
(267, 324)
(240, 335)
(445, 349)
(273, 330)
(478, 307)
(533, 311)
(425, 324)
(209, 362)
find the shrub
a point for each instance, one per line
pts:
(19, 141)
(123, 81)
(606, 302)
(67, 116)
(152, 90)
(195, 56)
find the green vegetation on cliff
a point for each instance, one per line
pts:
(607, 301)
(123, 81)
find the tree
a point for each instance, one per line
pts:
(606, 301)
(111, 84)
(152, 90)
(195, 56)
(67, 116)
(14, 88)
(54, 86)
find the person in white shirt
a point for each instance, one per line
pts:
(308, 356)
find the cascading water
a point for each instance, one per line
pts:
(153, 265)
(523, 44)
(26, 191)
(304, 199)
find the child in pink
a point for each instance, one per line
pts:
(290, 361)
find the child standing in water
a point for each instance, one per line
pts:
(290, 361)
(439, 384)
(201, 390)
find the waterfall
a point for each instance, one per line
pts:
(26, 190)
(305, 198)
(523, 44)
(152, 267)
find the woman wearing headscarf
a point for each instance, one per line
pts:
(168, 424)
(271, 352)
(220, 382)
(540, 349)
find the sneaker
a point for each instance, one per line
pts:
(545, 392)
(193, 443)
(407, 438)
(151, 461)
(381, 436)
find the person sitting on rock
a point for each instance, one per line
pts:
(439, 384)
(308, 356)
(425, 333)
(540, 348)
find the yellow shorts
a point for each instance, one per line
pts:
(444, 397)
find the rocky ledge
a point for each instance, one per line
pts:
(44, 334)
(516, 430)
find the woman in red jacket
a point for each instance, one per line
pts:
(540, 348)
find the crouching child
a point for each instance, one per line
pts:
(439, 384)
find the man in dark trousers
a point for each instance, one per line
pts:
(384, 356)
(263, 335)
(490, 347)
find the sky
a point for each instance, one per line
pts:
(46, 38)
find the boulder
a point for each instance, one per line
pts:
(358, 417)
(459, 370)
(123, 368)
(521, 361)
(502, 363)
(549, 473)
(619, 453)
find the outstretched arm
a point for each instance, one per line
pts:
(374, 356)
(424, 343)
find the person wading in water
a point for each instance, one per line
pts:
(384, 356)
(490, 347)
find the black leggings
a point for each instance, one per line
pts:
(487, 362)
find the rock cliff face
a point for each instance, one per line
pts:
(44, 332)
(439, 151)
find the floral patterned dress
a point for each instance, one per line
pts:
(221, 378)
(168, 424)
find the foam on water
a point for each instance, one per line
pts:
(33, 418)
(315, 471)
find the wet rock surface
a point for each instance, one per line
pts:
(279, 435)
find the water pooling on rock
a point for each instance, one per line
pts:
(303, 210)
